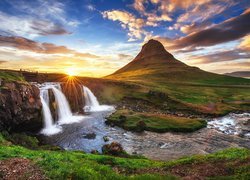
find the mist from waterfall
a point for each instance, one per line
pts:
(91, 102)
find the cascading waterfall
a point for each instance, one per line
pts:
(45, 95)
(91, 102)
(90, 99)
(64, 113)
(49, 128)
(63, 109)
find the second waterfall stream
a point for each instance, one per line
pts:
(91, 102)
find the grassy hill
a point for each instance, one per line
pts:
(156, 69)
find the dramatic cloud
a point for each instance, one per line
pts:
(245, 43)
(36, 18)
(46, 10)
(44, 48)
(229, 30)
(202, 11)
(194, 27)
(29, 27)
(223, 56)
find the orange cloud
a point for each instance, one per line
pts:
(245, 43)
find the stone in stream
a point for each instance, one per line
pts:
(89, 136)
(114, 148)
(105, 138)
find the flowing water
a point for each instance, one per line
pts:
(88, 134)
(91, 102)
(63, 110)
(49, 127)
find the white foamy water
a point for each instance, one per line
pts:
(63, 110)
(236, 124)
(91, 102)
(49, 128)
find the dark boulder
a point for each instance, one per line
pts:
(20, 107)
(89, 136)
(114, 149)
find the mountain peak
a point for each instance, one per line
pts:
(152, 48)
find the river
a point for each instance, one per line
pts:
(87, 135)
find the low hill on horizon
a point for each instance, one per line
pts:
(244, 74)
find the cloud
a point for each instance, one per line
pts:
(194, 27)
(36, 47)
(29, 27)
(245, 43)
(1, 61)
(128, 21)
(229, 30)
(203, 10)
(46, 10)
(36, 18)
(124, 56)
(151, 17)
(229, 55)
(90, 7)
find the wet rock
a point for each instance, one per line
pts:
(140, 126)
(105, 138)
(114, 148)
(94, 152)
(89, 136)
(20, 107)
(74, 94)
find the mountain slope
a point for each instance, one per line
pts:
(155, 64)
(156, 70)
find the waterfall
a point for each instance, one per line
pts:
(91, 102)
(64, 113)
(45, 95)
(63, 109)
(49, 128)
(90, 99)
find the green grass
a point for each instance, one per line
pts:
(130, 120)
(197, 97)
(11, 76)
(78, 165)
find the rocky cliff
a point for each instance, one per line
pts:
(20, 106)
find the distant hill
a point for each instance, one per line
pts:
(245, 74)
(155, 65)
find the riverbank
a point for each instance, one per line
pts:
(231, 163)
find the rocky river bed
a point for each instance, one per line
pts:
(92, 133)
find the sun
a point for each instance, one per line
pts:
(71, 71)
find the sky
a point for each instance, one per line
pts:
(97, 37)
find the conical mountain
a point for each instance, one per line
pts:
(152, 56)
(156, 65)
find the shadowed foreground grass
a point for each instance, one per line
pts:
(78, 165)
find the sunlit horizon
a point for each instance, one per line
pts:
(96, 38)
